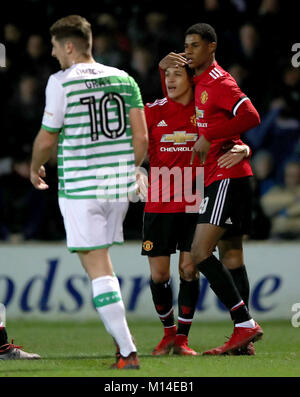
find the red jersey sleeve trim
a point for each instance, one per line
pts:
(238, 103)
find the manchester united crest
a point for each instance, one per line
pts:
(148, 245)
(204, 97)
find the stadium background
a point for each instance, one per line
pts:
(37, 275)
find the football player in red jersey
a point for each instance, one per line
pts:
(167, 223)
(223, 113)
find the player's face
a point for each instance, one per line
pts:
(199, 52)
(178, 83)
(59, 52)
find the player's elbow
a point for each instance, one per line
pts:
(140, 147)
(44, 145)
(145, 141)
(47, 144)
(252, 119)
(250, 114)
(45, 141)
(256, 118)
(141, 141)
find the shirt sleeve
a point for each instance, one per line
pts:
(231, 96)
(53, 118)
(244, 116)
(136, 100)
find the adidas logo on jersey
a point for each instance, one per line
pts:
(228, 222)
(162, 123)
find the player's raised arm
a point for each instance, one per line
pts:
(43, 147)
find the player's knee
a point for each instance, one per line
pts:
(199, 254)
(188, 271)
(160, 276)
(232, 262)
(232, 259)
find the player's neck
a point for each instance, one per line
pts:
(81, 59)
(199, 70)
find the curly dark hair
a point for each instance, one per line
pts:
(206, 31)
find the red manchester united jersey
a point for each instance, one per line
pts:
(218, 99)
(172, 135)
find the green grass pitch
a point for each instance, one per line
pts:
(84, 349)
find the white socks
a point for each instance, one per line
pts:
(246, 324)
(109, 304)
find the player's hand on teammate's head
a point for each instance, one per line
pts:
(37, 180)
(233, 156)
(173, 60)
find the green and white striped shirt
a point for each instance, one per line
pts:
(88, 104)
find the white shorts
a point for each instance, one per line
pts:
(91, 224)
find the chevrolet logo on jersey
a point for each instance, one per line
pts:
(179, 137)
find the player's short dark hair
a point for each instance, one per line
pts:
(206, 31)
(190, 72)
(73, 26)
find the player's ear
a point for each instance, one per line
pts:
(69, 47)
(212, 47)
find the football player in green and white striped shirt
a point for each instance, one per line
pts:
(94, 114)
